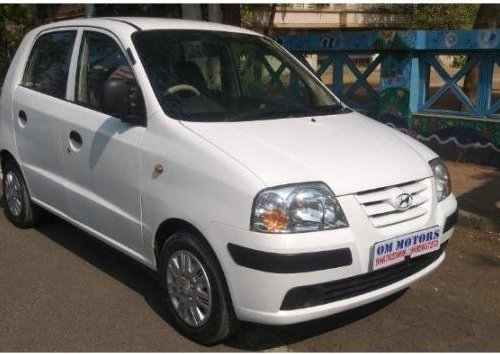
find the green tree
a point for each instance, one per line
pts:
(13, 26)
(15, 21)
(443, 16)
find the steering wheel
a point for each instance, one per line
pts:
(183, 87)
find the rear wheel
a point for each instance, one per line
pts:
(19, 208)
(197, 298)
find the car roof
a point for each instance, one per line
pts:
(149, 23)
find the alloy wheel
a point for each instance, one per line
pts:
(189, 288)
(13, 193)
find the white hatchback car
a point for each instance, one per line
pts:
(210, 154)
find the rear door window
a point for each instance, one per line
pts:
(48, 64)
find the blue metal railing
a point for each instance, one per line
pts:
(416, 52)
(443, 87)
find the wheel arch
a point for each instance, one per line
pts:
(169, 227)
(6, 155)
(173, 225)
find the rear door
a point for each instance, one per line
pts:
(37, 108)
(100, 153)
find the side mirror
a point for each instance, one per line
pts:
(116, 100)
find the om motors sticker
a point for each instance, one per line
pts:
(398, 249)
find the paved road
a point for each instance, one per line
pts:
(61, 290)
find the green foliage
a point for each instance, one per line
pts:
(17, 19)
(14, 23)
(246, 15)
(459, 61)
(444, 16)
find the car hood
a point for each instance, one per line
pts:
(349, 152)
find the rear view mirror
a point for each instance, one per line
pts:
(116, 100)
(116, 97)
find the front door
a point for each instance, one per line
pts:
(101, 154)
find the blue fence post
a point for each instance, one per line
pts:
(485, 86)
(418, 78)
(338, 75)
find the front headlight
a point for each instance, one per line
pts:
(297, 208)
(443, 181)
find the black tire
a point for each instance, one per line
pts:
(221, 321)
(30, 214)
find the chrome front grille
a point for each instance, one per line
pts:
(379, 204)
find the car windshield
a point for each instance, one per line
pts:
(218, 76)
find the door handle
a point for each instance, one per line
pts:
(23, 118)
(75, 140)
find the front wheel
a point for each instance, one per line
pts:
(197, 296)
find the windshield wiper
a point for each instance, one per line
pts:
(323, 110)
(295, 113)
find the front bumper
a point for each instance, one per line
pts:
(259, 283)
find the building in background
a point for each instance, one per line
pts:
(297, 18)
(287, 18)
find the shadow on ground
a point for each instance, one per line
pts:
(255, 337)
(110, 261)
(143, 281)
(483, 200)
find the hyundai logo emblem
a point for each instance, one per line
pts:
(403, 201)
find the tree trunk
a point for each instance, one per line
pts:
(269, 29)
(487, 17)
(89, 10)
(214, 13)
(191, 12)
(231, 14)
